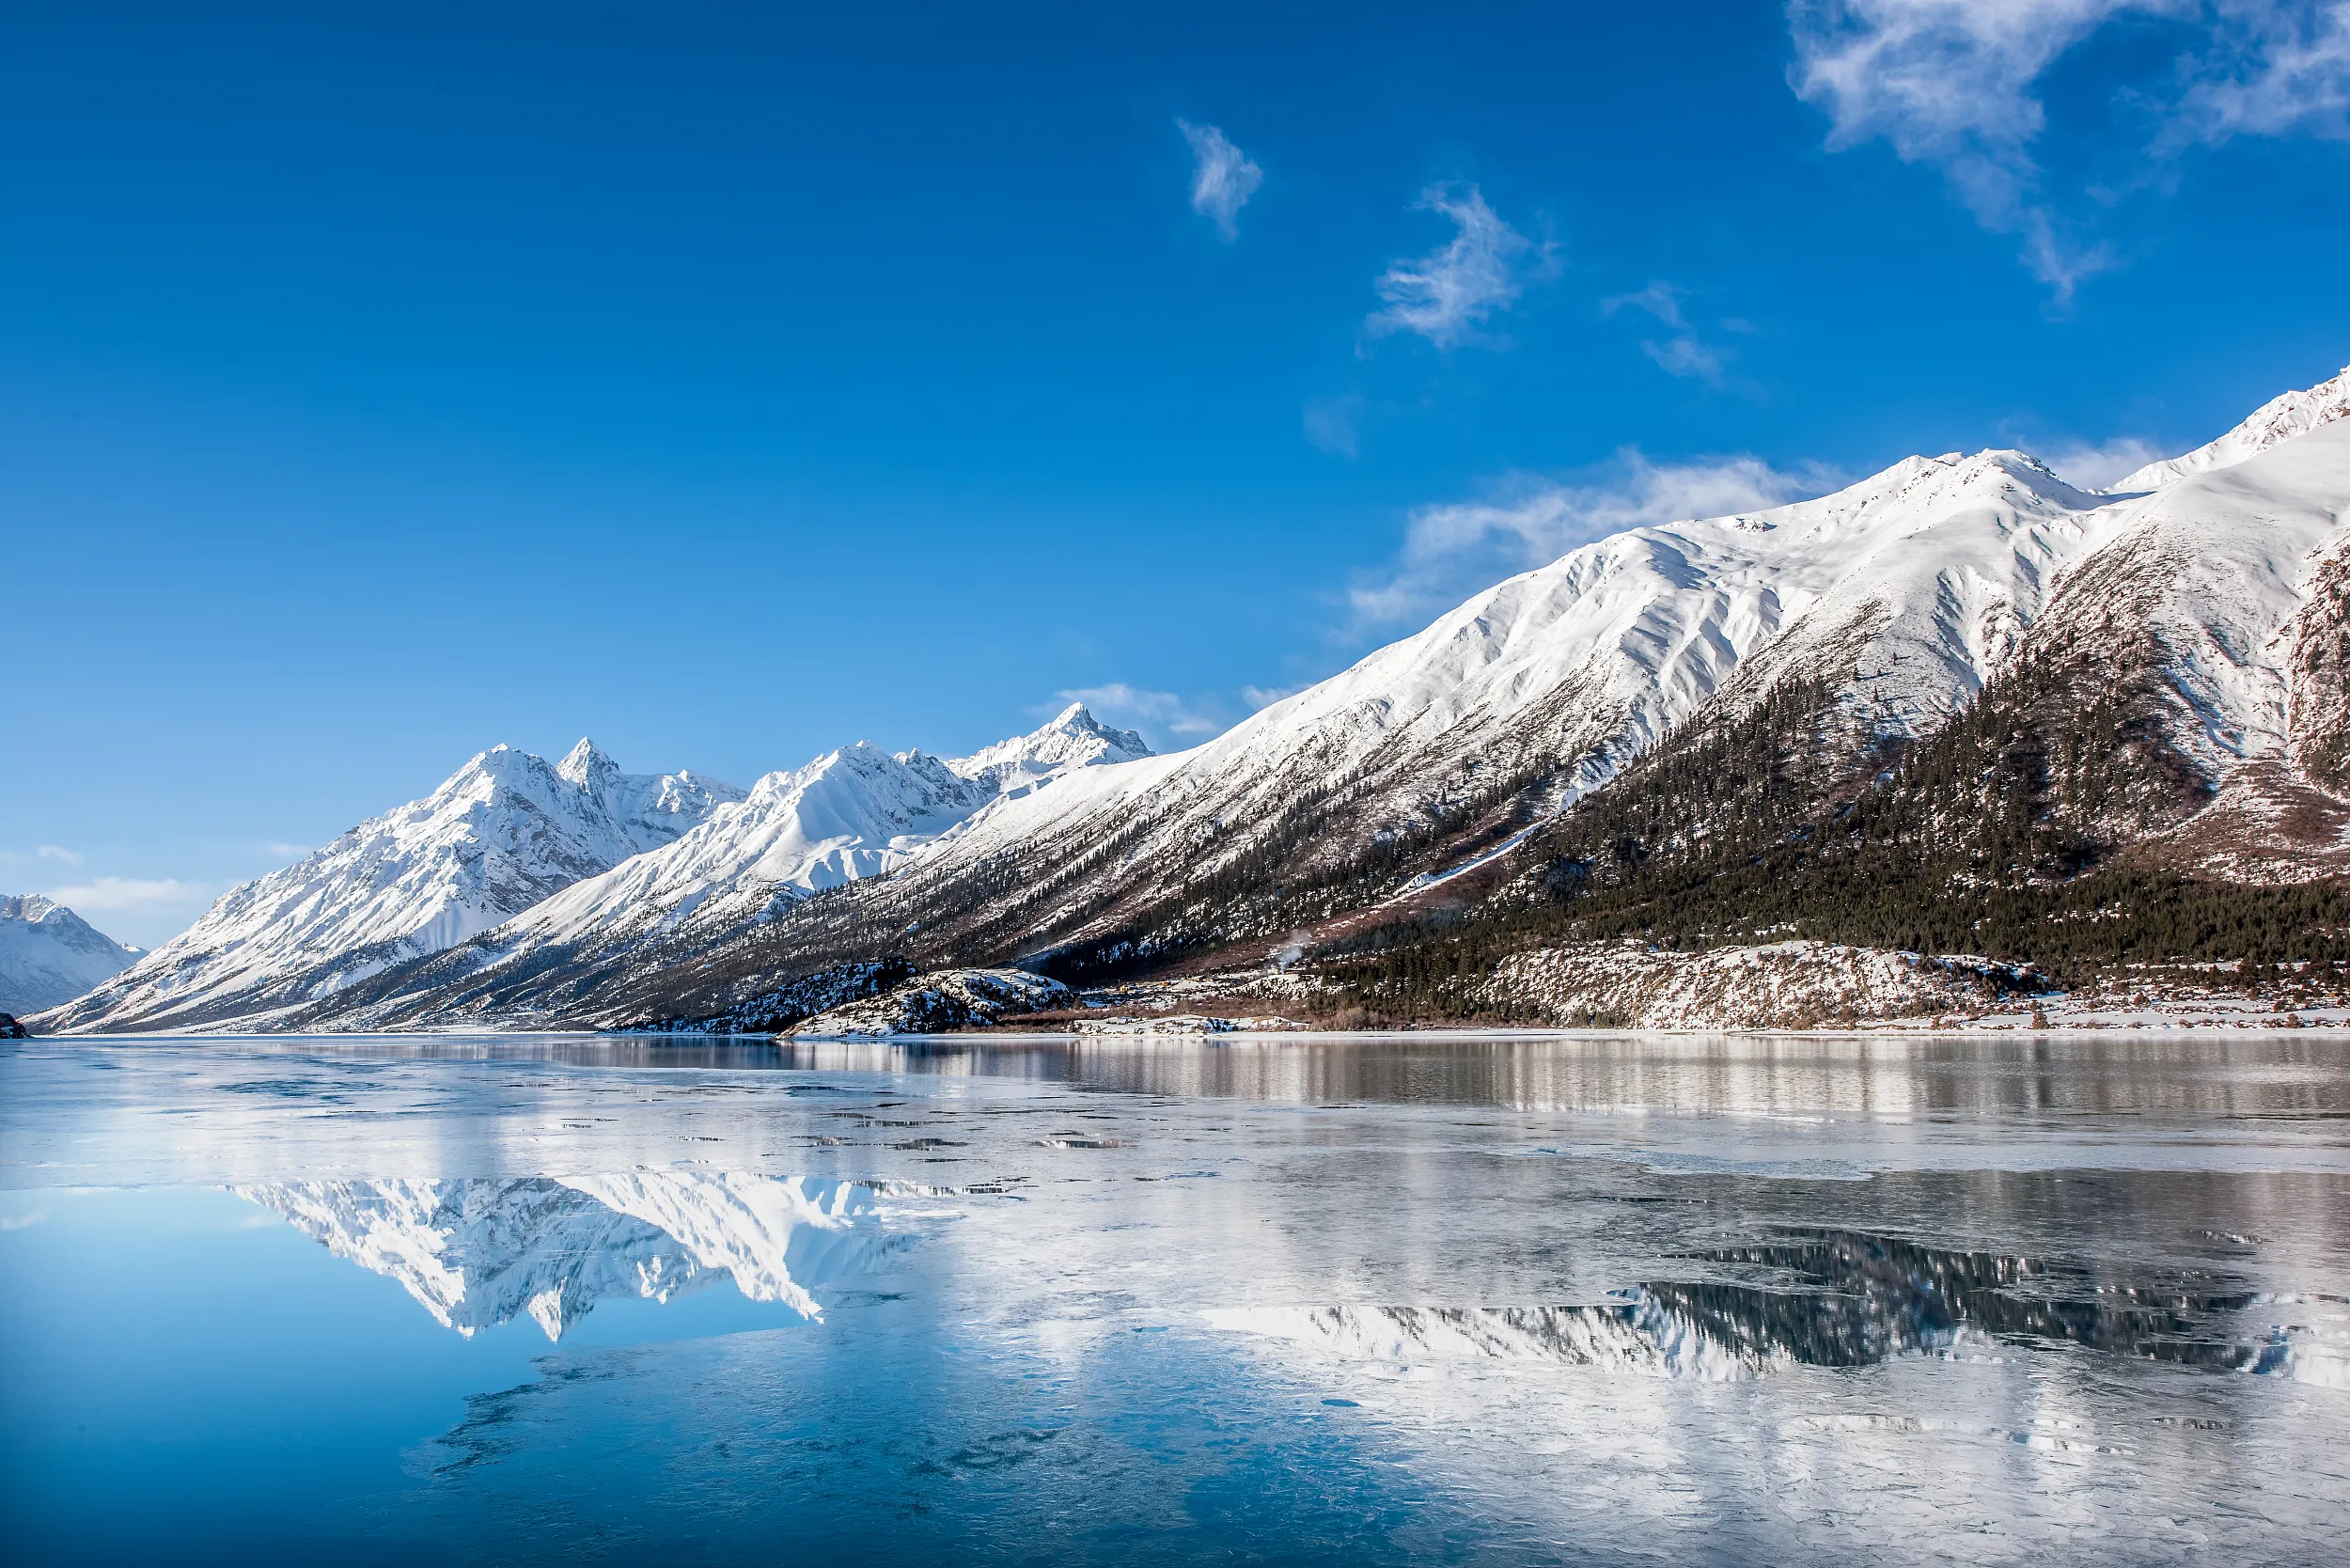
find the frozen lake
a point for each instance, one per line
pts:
(1287, 1299)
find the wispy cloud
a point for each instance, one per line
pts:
(2095, 466)
(1684, 354)
(62, 857)
(1954, 83)
(1453, 550)
(286, 852)
(1120, 703)
(24, 1221)
(108, 894)
(1446, 295)
(1335, 424)
(1222, 177)
(2274, 69)
(1949, 83)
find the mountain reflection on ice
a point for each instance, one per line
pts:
(1839, 1298)
(1460, 1300)
(475, 1253)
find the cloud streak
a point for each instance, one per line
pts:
(1954, 83)
(2275, 69)
(1335, 424)
(1453, 550)
(1446, 295)
(1684, 354)
(2095, 466)
(118, 894)
(1222, 177)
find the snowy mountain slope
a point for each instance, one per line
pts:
(2278, 420)
(49, 954)
(478, 1252)
(1905, 592)
(2214, 570)
(1911, 586)
(502, 834)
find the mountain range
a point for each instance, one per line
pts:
(1958, 709)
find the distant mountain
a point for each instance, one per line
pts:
(507, 831)
(848, 817)
(49, 954)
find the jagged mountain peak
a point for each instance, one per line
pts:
(2278, 421)
(1071, 738)
(587, 764)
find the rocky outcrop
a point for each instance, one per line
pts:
(942, 1002)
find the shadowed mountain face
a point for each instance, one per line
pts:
(477, 1252)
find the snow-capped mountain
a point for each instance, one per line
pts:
(850, 815)
(1904, 592)
(1901, 596)
(49, 954)
(507, 831)
(478, 1252)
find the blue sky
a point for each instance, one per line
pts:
(732, 383)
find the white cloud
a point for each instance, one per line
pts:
(286, 852)
(1120, 703)
(1682, 355)
(2275, 69)
(1265, 697)
(1446, 295)
(136, 894)
(2095, 466)
(63, 856)
(1954, 83)
(1222, 177)
(1949, 83)
(1452, 551)
(23, 1222)
(1335, 424)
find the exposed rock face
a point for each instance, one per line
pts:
(11, 1030)
(937, 1003)
(2319, 705)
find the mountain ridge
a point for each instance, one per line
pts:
(1909, 608)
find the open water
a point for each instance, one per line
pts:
(1292, 1299)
